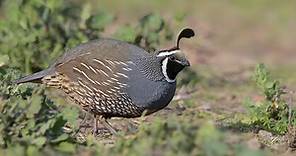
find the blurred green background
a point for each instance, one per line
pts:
(218, 108)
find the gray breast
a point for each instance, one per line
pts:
(148, 89)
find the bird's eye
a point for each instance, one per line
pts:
(173, 58)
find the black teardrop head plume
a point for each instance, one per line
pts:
(185, 33)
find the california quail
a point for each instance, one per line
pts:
(111, 78)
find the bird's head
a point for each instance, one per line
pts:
(173, 60)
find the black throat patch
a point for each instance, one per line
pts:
(173, 68)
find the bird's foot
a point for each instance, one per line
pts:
(105, 123)
(108, 126)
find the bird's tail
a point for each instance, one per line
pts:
(36, 77)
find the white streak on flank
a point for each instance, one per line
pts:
(106, 84)
(100, 62)
(119, 83)
(78, 70)
(87, 94)
(116, 87)
(84, 65)
(122, 75)
(88, 53)
(102, 71)
(85, 86)
(92, 69)
(164, 70)
(122, 84)
(109, 68)
(168, 53)
(127, 69)
(112, 89)
(110, 81)
(117, 62)
(130, 62)
(106, 95)
(97, 98)
(113, 79)
(110, 62)
(97, 94)
(83, 73)
(116, 75)
(95, 89)
(78, 92)
(97, 82)
(123, 63)
(103, 64)
(82, 89)
(109, 91)
(124, 69)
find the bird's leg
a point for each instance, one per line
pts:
(83, 120)
(107, 125)
(95, 126)
(81, 124)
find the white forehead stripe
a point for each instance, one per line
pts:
(168, 53)
(164, 70)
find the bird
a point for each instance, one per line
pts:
(111, 78)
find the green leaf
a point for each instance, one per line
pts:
(46, 126)
(4, 60)
(53, 4)
(39, 142)
(85, 14)
(15, 150)
(71, 115)
(35, 106)
(270, 85)
(126, 33)
(66, 147)
(152, 23)
(32, 151)
(100, 21)
(60, 138)
(210, 139)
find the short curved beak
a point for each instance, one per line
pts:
(186, 63)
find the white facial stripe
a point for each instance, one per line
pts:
(168, 53)
(164, 70)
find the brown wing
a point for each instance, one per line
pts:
(96, 82)
(104, 49)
